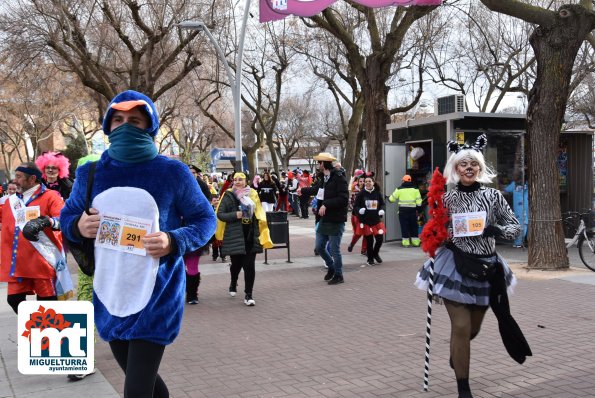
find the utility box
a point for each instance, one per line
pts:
(449, 104)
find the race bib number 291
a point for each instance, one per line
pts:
(123, 233)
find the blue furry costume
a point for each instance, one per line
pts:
(178, 197)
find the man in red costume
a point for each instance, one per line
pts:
(30, 220)
(304, 181)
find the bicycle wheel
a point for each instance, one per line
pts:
(586, 249)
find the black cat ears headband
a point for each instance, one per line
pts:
(480, 143)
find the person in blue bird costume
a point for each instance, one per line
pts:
(141, 198)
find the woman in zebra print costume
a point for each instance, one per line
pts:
(466, 300)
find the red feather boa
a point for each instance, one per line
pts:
(434, 232)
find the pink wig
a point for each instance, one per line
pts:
(53, 159)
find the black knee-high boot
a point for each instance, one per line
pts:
(192, 283)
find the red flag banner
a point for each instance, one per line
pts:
(273, 10)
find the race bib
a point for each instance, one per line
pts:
(371, 204)
(123, 233)
(468, 224)
(320, 194)
(25, 214)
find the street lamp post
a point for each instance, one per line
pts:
(234, 83)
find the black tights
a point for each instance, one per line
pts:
(372, 248)
(245, 261)
(465, 322)
(140, 359)
(15, 299)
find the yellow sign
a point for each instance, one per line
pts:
(132, 237)
(460, 138)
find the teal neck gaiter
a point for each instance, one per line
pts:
(131, 144)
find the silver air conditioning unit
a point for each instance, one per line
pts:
(450, 104)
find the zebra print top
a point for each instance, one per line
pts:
(473, 198)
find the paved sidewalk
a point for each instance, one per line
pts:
(364, 338)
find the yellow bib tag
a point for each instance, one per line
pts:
(132, 236)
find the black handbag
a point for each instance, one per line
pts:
(84, 251)
(472, 266)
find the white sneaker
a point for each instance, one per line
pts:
(232, 293)
(249, 301)
(80, 376)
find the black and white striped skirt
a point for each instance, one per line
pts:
(450, 285)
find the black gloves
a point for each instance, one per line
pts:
(491, 230)
(32, 229)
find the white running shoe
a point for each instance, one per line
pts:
(249, 301)
(74, 377)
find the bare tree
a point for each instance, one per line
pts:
(581, 105)
(34, 107)
(266, 64)
(110, 45)
(295, 126)
(372, 39)
(481, 54)
(194, 133)
(328, 61)
(556, 40)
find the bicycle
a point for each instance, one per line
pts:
(583, 237)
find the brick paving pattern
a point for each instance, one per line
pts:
(364, 338)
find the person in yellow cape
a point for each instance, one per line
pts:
(243, 229)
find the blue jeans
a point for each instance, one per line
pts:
(295, 206)
(333, 260)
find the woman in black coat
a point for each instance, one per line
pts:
(267, 192)
(243, 230)
(369, 207)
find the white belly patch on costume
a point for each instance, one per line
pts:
(124, 282)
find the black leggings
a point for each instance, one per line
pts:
(465, 322)
(245, 261)
(15, 299)
(372, 248)
(304, 206)
(140, 359)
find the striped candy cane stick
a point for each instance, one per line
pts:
(429, 326)
(432, 236)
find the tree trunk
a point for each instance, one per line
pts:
(251, 157)
(273, 153)
(376, 118)
(556, 48)
(353, 131)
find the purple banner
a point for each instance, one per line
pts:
(273, 10)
